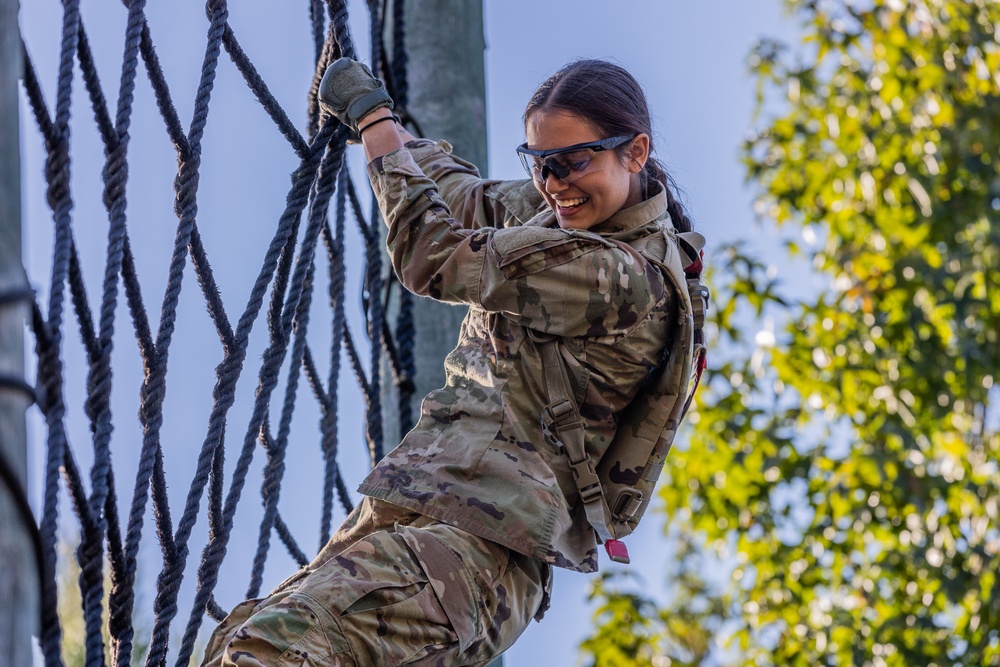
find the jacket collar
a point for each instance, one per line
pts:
(650, 210)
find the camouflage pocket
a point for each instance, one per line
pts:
(450, 581)
(381, 603)
(523, 251)
(280, 631)
(489, 593)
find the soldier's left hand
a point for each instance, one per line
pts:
(350, 92)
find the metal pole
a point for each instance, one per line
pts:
(18, 576)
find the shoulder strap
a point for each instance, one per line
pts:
(562, 427)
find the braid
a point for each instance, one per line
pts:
(678, 216)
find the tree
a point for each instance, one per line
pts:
(844, 469)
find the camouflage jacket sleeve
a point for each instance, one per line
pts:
(475, 202)
(562, 282)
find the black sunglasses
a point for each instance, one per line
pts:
(567, 164)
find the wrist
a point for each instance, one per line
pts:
(384, 119)
(381, 112)
(378, 133)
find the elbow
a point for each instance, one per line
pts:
(414, 275)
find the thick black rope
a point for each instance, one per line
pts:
(401, 359)
(215, 550)
(49, 362)
(405, 326)
(320, 174)
(321, 194)
(153, 391)
(91, 556)
(334, 241)
(400, 59)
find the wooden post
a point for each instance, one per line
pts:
(445, 45)
(18, 576)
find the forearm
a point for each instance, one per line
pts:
(383, 137)
(457, 181)
(405, 134)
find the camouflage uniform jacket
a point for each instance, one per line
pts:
(477, 458)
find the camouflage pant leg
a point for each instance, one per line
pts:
(368, 516)
(489, 592)
(433, 595)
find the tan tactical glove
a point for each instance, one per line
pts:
(350, 92)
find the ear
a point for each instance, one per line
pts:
(638, 153)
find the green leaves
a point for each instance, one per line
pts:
(844, 462)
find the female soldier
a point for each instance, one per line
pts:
(448, 556)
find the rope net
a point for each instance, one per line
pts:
(304, 263)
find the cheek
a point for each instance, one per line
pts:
(623, 187)
(541, 190)
(609, 192)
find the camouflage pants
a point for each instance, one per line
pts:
(392, 587)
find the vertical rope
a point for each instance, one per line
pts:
(316, 20)
(405, 324)
(91, 553)
(49, 364)
(328, 427)
(271, 489)
(215, 550)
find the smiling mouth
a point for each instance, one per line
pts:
(572, 203)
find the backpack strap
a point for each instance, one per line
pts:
(563, 428)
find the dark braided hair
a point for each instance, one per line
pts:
(610, 98)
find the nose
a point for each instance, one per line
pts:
(553, 183)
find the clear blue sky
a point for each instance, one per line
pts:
(690, 56)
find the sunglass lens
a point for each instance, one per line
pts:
(566, 166)
(554, 167)
(527, 162)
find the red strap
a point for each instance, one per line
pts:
(700, 366)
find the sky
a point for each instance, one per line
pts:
(689, 55)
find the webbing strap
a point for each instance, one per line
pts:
(699, 301)
(562, 427)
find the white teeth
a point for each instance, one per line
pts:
(569, 203)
